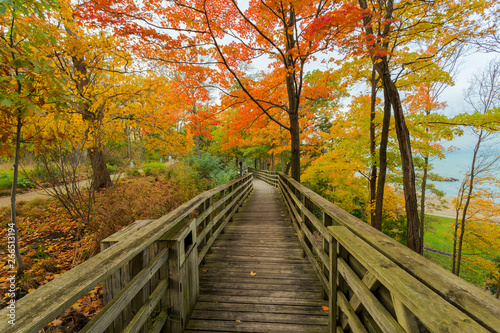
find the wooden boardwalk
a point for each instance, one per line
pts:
(256, 279)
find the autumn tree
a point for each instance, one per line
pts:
(230, 35)
(27, 81)
(482, 96)
(399, 37)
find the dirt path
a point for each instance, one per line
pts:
(41, 194)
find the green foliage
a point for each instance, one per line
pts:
(492, 283)
(212, 169)
(43, 174)
(134, 172)
(111, 168)
(395, 228)
(154, 169)
(6, 182)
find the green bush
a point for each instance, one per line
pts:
(134, 172)
(111, 168)
(213, 169)
(6, 182)
(43, 174)
(154, 169)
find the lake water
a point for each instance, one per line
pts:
(455, 165)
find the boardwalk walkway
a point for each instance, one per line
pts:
(255, 279)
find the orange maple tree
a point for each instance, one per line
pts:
(225, 35)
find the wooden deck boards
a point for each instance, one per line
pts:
(284, 295)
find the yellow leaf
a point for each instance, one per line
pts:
(251, 255)
(253, 273)
(238, 321)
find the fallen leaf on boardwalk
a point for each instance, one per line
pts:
(238, 321)
(296, 234)
(325, 308)
(267, 227)
(251, 255)
(262, 241)
(253, 273)
(204, 270)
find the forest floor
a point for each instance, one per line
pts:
(40, 194)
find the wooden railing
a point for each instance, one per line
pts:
(270, 177)
(375, 284)
(149, 270)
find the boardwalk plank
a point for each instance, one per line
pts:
(284, 295)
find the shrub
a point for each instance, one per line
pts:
(6, 182)
(43, 174)
(111, 168)
(213, 169)
(154, 169)
(134, 172)
(138, 199)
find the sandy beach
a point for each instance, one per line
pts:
(447, 211)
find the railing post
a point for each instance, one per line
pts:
(164, 302)
(327, 221)
(332, 278)
(184, 284)
(307, 222)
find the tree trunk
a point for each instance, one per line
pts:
(467, 202)
(196, 136)
(422, 201)
(373, 176)
(272, 162)
(19, 258)
(403, 135)
(384, 139)
(497, 294)
(100, 174)
(295, 146)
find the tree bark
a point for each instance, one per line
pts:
(295, 145)
(403, 135)
(384, 139)
(497, 294)
(373, 176)
(422, 200)
(100, 174)
(467, 202)
(19, 258)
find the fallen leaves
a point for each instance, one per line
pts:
(251, 255)
(253, 273)
(325, 308)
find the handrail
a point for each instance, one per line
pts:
(267, 176)
(380, 285)
(149, 270)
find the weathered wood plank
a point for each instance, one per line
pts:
(463, 295)
(383, 318)
(406, 288)
(234, 326)
(255, 274)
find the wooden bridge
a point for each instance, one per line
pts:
(260, 255)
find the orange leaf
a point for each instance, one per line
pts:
(324, 307)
